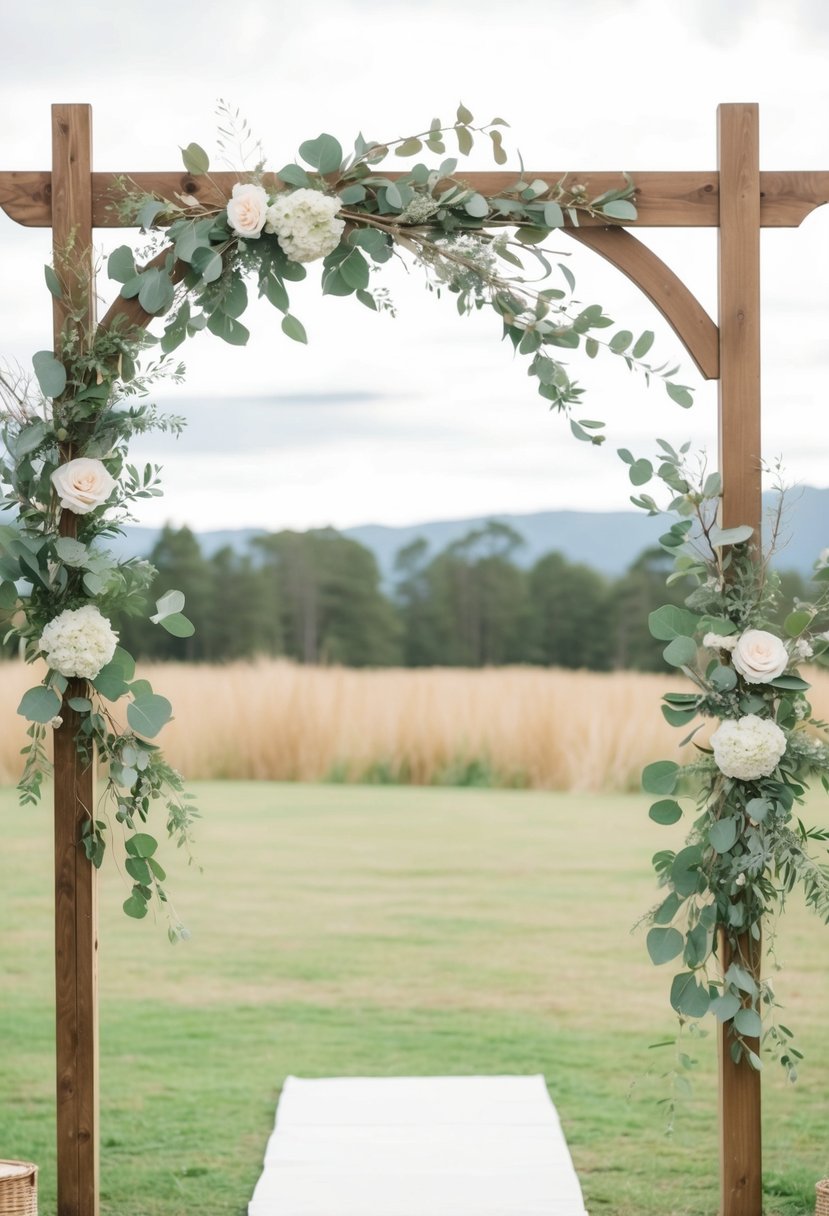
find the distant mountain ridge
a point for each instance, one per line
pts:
(608, 541)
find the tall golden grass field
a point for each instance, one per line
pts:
(515, 726)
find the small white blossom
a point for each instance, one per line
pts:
(305, 223)
(740, 880)
(748, 748)
(802, 649)
(79, 642)
(716, 641)
(419, 209)
(56, 723)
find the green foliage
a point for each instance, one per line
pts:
(742, 858)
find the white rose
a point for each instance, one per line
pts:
(759, 656)
(748, 748)
(82, 485)
(246, 209)
(305, 224)
(79, 642)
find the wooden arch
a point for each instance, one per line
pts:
(737, 199)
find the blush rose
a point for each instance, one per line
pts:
(759, 656)
(82, 485)
(246, 209)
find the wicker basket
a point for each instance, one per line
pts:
(822, 1205)
(18, 1188)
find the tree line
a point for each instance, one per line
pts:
(317, 597)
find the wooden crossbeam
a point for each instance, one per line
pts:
(664, 200)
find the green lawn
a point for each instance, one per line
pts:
(346, 931)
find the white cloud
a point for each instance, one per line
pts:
(457, 422)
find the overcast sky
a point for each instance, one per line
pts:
(428, 415)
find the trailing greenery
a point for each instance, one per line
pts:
(748, 849)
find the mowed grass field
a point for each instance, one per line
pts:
(346, 930)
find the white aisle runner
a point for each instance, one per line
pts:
(417, 1146)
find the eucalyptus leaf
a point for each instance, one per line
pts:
(730, 536)
(665, 812)
(660, 777)
(178, 625)
(121, 264)
(685, 870)
(50, 373)
(135, 906)
(196, 160)
(39, 704)
(148, 715)
(725, 1006)
(688, 996)
(53, 282)
(156, 293)
(323, 153)
(664, 945)
(680, 652)
(640, 472)
(294, 328)
(669, 622)
(748, 1022)
(619, 209)
(228, 329)
(170, 602)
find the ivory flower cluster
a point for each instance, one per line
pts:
(79, 642)
(82, 485)
(748, 748)
(304, 221)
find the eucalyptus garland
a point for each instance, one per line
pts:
(748, 848)
(66, 432)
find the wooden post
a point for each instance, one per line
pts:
(76, 919)
(739, 444)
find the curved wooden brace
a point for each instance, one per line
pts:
(680, 308)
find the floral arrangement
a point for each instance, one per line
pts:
(66, 477)
(747, 849)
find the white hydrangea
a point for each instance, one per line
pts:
(305, 223)
(79, 642)
(748, 748)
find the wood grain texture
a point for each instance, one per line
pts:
(688, 199)
(679, 306)
(739, 442)
(741, 1188)
(76, 920)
